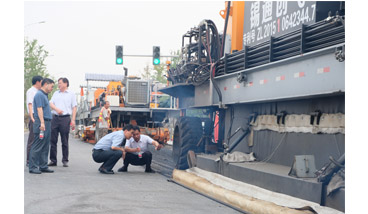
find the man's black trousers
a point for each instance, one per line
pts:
(133, 159)
(60, 124)
(30, 137)
(108, 157)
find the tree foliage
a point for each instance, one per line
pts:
(160, 70)
(175, 60)
(34, 64)
(155, 74)
(146, 73)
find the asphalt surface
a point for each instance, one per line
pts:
(80, 188)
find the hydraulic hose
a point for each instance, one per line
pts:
(212, 70)
(215, 34)
(225, 28)
(215, 85)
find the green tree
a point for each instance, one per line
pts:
(34, 64)
(160, 69)
(160, 72)
(146, 73)
(175, 60)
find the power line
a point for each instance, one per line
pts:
(142, 55)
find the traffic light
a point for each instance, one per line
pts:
(119, 54)
(156, 55)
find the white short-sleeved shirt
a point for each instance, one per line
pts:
(31, 92)
(142, 143)
(65, 101)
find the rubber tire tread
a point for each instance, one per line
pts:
(190, 131)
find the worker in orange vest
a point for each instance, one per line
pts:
(104, 120)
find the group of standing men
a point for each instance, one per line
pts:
(47, 120)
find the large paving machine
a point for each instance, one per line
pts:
(272, 86)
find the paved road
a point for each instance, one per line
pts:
(80, 188)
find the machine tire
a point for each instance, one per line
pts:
(187, 133)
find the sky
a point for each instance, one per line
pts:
(81, 36)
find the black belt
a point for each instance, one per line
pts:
(95, 150)
(67, 115)
(45, 119)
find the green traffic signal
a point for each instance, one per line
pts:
(119, 54)
(156, 55)
(119, 61)
(156, 61)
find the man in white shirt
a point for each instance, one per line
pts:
(31, 92)
(137, 151)
(64, 105)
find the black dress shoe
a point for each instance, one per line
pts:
(104, 171)
(123, 169)
(47, 170)
(99, 169)
(35, 171)
(150, 171)
(51, 164)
